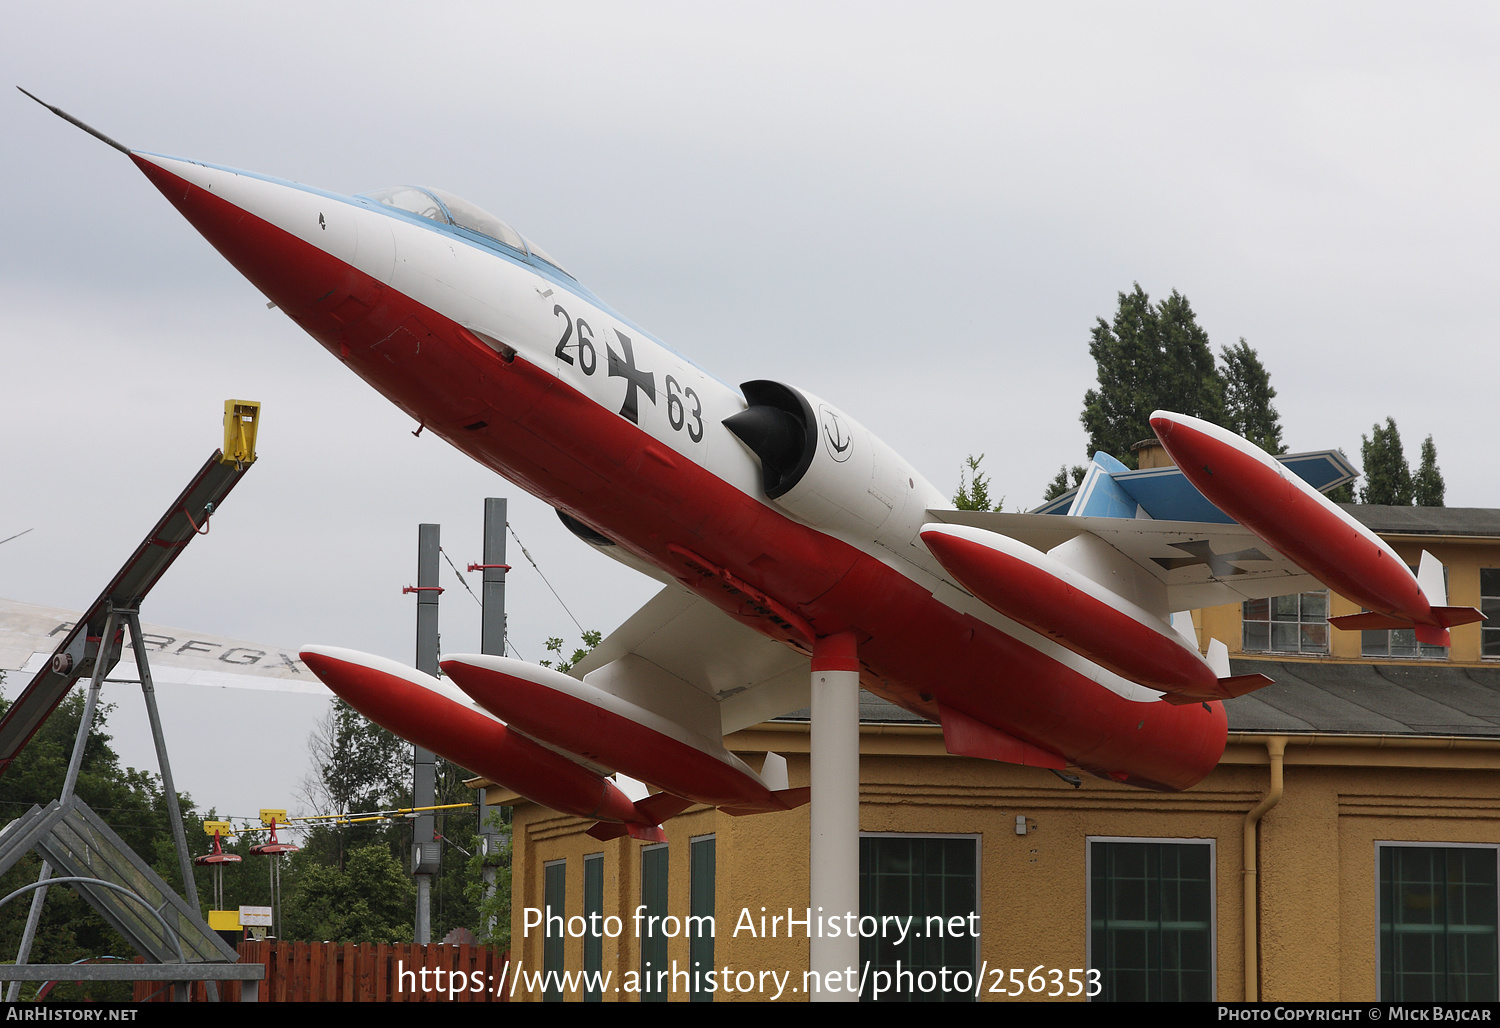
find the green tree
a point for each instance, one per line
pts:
(555, 645)
(358, 767)
(369, 899)
(1060, 484)
(1343, 493)
(1247, 398)
(1387, 475)
(974, 488)
(492, 907)
(1152, 356)
(1427, 486)
(361, 768)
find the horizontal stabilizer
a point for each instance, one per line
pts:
(1371, 621)
(966, 736)
(607, 830)
(1368, 621)
(785, 799)
(1452, 617)
(663, 806)
(1228, 689)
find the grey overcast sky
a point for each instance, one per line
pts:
(915, 211)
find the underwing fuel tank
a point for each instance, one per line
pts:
(1047, 596)
(600, 726)
(425, 711)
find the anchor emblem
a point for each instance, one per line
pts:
(836, 435)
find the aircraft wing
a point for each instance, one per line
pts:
(29, 633)
(1174, 565)
(1166, 546)
(1113, 489)
(683, 658)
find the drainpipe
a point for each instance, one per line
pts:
(1275, 749)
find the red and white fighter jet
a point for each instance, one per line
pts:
(776, 520)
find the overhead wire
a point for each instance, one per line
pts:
(465, 583)
(525, 553)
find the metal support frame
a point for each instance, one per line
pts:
(70, 782)
(117, 606)
(116, 620)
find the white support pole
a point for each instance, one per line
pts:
(834, 858)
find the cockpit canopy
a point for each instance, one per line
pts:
(447, 209)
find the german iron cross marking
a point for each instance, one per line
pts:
(635, 378)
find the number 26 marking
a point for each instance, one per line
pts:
(588, 357)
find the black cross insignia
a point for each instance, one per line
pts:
(635, 378)
(1220, 565)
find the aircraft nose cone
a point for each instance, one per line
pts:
(264, 227)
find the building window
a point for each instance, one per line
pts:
(554, 893)
(1398, 642)
(1437, 923)
(1151, 914)
(654, 984)
(1297, 623)
(1489, 604)
(921, 877)
(593, 912)
(701, 917)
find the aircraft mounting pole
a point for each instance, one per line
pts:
(833, 861)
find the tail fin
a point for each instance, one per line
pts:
(1432, 581)
(773, 772)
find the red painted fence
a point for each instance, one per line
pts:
(299, 972)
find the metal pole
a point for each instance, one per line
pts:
(424, 764)
(492, 640)
(833, 862)
(75, 763)
(492, 620)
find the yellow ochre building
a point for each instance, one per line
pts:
(1344, 848)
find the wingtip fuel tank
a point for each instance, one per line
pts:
(1287, 514)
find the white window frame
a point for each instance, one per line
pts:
(1213, 897)
(1427, 845)
(978, 840)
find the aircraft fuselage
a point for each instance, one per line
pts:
(522, 368)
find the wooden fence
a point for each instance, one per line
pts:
(345, 973)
